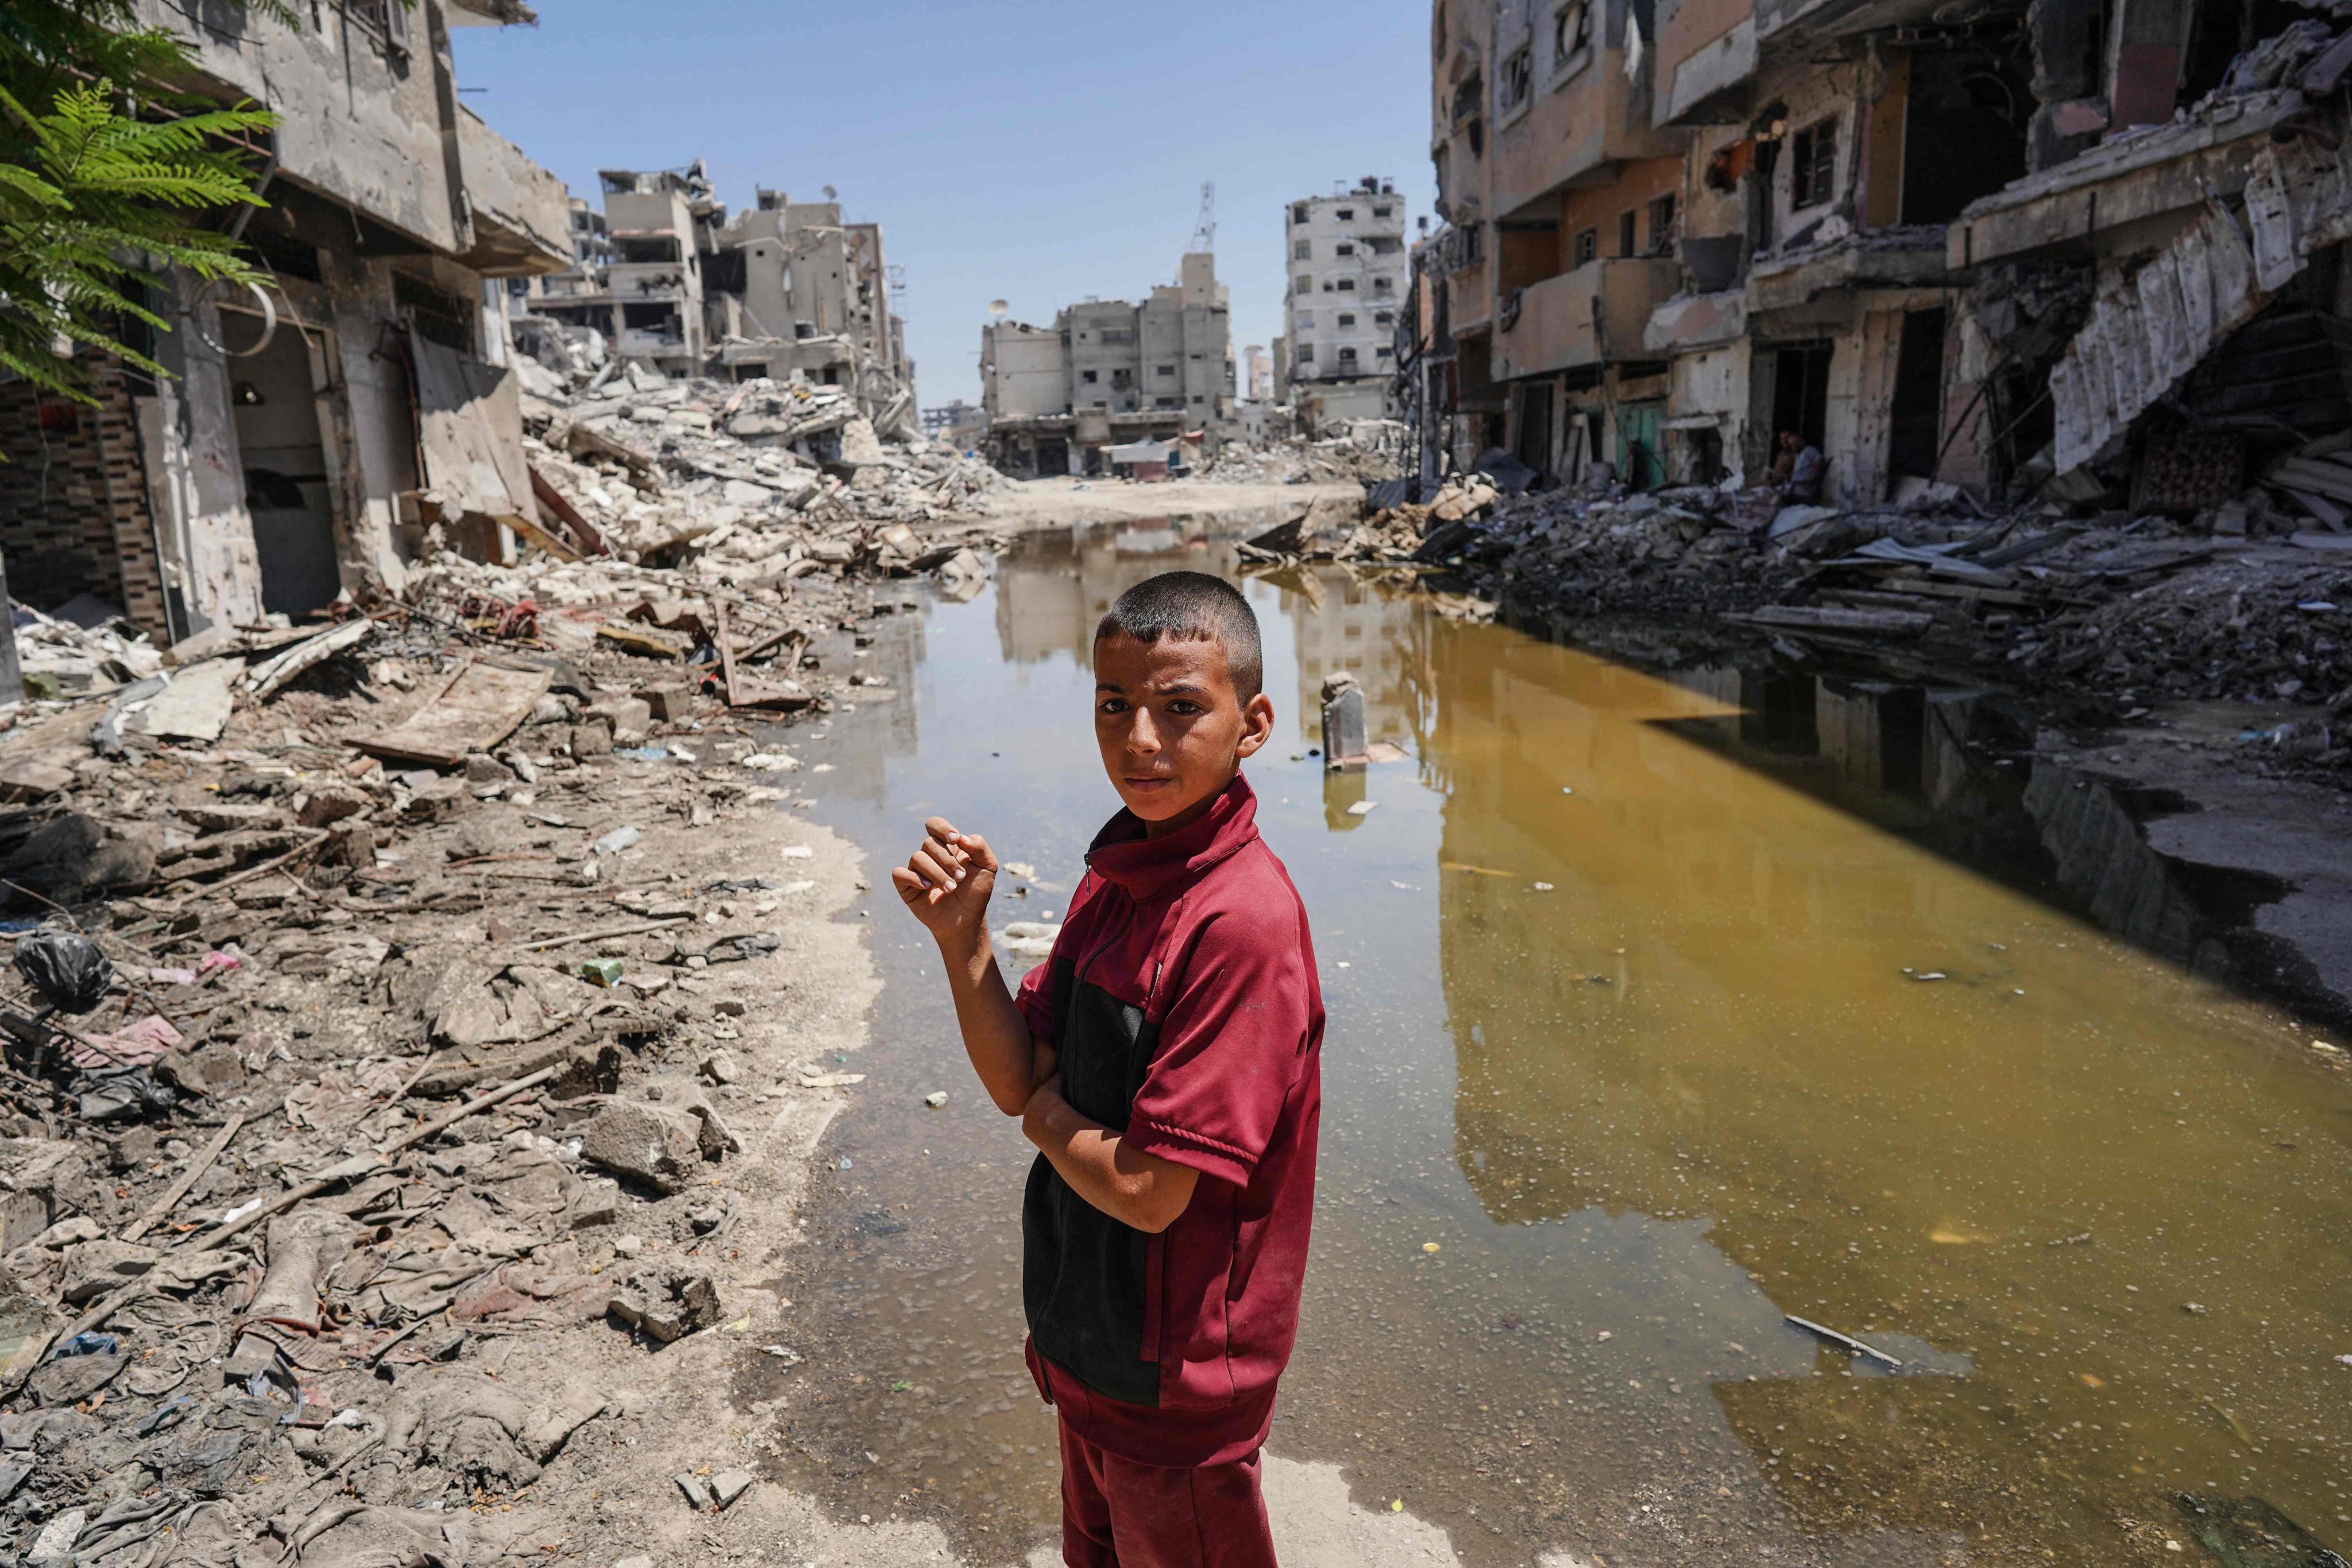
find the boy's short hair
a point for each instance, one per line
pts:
(1192, 606)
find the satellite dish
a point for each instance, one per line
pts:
(998, 307)
(831, 194)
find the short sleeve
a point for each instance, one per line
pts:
(1229, 1051)
(1034, 997)
(1040, 1007)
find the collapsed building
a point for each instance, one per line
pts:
(1111, 372)
(2083, 243)
(313, 429)
(671, 281)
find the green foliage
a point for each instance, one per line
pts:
(96, 200)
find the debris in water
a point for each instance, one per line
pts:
(1541, 886)
(1429, 1246)
(935, 1098)
(1363, 808)
(1846, 1343)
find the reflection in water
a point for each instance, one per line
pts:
(1666, 1007)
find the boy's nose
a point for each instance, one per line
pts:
(1142, 735)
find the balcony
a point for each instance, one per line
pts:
(1904, 257)
(1471, 300)
(1591, 315)
(522, 224)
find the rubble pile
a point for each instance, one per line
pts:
(737, 473)
(1369, 451)
(2115, 614)
(388, 994)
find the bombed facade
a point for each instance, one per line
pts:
(673, 281)
(2089, 243)
(316, 428)
(1110, 373)
(1348, 272)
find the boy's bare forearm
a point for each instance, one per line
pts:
(995, 1037)
(1134, 1188)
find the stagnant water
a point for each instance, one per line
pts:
(1659, 1047)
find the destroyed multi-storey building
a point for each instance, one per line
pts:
(638, 278)
(1108, 372)
(781, 288)
(1987, 249)
(313, 428)
(1347, 271)
(795, 288)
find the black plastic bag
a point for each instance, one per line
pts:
(70, 971)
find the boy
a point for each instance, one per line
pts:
(1166, 1060)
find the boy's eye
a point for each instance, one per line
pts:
(1185, 706)
(1112, 705)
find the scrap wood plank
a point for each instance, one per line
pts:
(583, 530)
(562, 549)
(1826, 618)
(481, 705)
(750, 691)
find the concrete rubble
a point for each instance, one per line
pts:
(2107, 618)
(419, 1046)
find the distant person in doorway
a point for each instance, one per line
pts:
(1797, 469)
(1166, 1061)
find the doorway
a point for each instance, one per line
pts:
(1800, 393)
(1535, 428)
(1913, 427)
(286, 485)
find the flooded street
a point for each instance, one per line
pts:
(1660, 1010)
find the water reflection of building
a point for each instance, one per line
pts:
(1050, 592)
(1714, 1011)
(1342, 623)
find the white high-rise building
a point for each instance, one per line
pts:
(1349, 274)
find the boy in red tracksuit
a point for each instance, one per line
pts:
(1166, 1060)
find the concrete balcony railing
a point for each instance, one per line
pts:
(1589, 316)
(1470, 299)
(641, 342)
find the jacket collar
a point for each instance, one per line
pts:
(1143, 867)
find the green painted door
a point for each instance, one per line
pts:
(1641, 460)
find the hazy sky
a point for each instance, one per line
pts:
(1035, 150)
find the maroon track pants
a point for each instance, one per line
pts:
(1116, 1513)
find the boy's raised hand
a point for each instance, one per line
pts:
(947, 882)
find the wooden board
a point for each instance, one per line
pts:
(481, 706)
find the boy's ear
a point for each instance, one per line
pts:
(1257, 725)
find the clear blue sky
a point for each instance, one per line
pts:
(1035, 150)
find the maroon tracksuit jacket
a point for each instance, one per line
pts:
(1181, 1001)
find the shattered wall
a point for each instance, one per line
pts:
(73, 503)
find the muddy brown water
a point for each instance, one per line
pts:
(1665, 1010)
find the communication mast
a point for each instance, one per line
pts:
(1204, 232)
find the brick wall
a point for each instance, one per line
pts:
(73, 500)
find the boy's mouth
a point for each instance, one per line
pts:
(1150, 784)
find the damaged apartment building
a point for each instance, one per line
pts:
(1110, 373)
(783, 287)
(1348, 274)
(1992, 246)
(316, 428)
